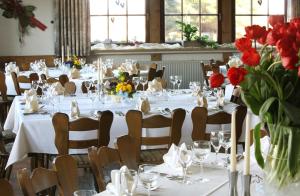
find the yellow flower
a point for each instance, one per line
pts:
(129, 88)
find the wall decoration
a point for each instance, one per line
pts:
(24, 14)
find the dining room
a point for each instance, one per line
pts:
(149, 97)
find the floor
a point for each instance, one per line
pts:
(86, 180)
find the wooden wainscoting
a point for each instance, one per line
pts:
(25, 60)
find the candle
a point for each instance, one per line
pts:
(101, 71)
(98, 71)
(68, 53)
(233, 143)
(247, 146)
(62, 54)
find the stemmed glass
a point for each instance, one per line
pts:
(215, 142)
(143, 81)
(201, 150)
(225, 140)
(88, 85)
(185, 160)
(136, 82)
(34, 85)
(92, 96)
(173, 81)
(148, 177)
(129, 181)
(178, 80)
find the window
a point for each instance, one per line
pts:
(248, 12)
(201, 13)
(118, 20)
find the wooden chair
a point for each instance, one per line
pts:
(200, 119)
(63, 79)
(41, 180)
(70, 88)
(67, 173)
(84, 89)
(236, 96)
(160, 73)
(5, 149)
(102, 161)
(152, 71)
(63, 126)
(16, 83)
(43, 77)
(6, 188)
(25, 67)
(126, 147)
(34, 77)
(52, 80)
(23, 80)
(136, 123)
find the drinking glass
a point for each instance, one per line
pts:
(129, 181)
(143, 81)
(88, 85)
(173, 81)
(85, 193)
(201, 150)
(185, 160)
(215, 137)
(34, 85)
(225, 140)
(178, 80)
(136, 82)
(148, 177)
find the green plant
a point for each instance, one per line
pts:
(189, 31)
(205, 41)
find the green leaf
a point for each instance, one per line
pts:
(258, 154)
(288, 90)
(29, 8)
(293, 150)
(252, 103)
(292, 112)
(8, 14)
(266, 106)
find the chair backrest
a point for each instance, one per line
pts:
(43, 77)
(3, 87)
(52, 80)
(63, 126)
(102, 161)
(84, 89)
(70, 88)
(34, 77)
(152, 71)
(63, 79)
(6, 188)
(136, 123)
(67, 173)
(126, 148)
(160, 73)
(24, 80)
(16, 83)
(236, 96)
(200, 119)
(40, 180)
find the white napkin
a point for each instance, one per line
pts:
(133, 69)
(154, 86)
(144, 105)
(235, 62)
(75, 73)
(172, 157)
(201, 100)
(57, 89)
(29, 93)
(11, 67)
(32, 104)
(107, 84)
(45, 71)
(75, 113)
(220, 98)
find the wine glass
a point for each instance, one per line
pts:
(148, 177)
(225, 140)
(201, 150)
(34, 85)
(136, 82)
(92, 96)
(178, 80)
(185, 160)
(215, 142)
(88, 85)
(143, 81)
(173, 81)
(129, 181)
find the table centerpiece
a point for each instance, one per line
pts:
(74, 62)
(270, 84)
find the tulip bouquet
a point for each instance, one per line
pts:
(270, 81)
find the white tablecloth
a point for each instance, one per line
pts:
(35, 133)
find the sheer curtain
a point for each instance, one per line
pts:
(73, 27)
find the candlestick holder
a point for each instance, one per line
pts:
(233, 177)
(246, 182)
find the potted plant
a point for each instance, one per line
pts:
(189, 32)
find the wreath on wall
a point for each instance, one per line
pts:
(24, 14)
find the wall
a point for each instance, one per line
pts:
(37, 42)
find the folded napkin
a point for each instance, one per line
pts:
(116, 185)
(75, 113)
(172, 156)
(201, 100)
(107, 85)
(154, 86)
(133, 70)
(144, 105)
(220, 98)
(32, 104)
(75, 73)
(11, 67)
(108, 72)
(57, 89)
(29, 93)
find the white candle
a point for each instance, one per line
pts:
(68, 53)
(233, 143)
(98, 71)
(101, 71)
(62, 54)
(247, 146)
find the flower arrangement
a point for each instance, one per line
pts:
(74, 62)
(271, 89)
(122, 86)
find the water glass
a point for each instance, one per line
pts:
(215, 137)
(201, 150)
(85, 193)
(173, 81)
(185, 160)
(225, 143)
(148, 177)
(178, 80)
(143, 81)
(34, 85)
(136, 82)
(129, 181)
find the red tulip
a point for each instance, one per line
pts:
(276, 19)
(243, 44)
(299, 71)
(236, 75)
(251, 57)
(272, 37)
(285, 46)
(289, 62)
(216, 80)
(255, 31)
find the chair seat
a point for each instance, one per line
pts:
(153, 155)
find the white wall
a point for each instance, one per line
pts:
(37, 42)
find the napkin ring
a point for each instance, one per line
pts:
(246, 181)
(233, 177)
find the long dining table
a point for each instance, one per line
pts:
(35, 132)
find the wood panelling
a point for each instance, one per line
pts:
(25, 59)
(154, 21)
(295, 8)
(227, 21)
